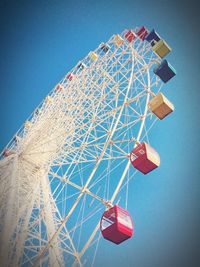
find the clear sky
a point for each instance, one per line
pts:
(41, 40)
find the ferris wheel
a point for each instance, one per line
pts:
(65, 174)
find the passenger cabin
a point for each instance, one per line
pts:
(59, 88)
(118, 40)
(37, 111)
(161, 48)
(160, 106)
(48, 99)
(27, 124)
(144, 158)
(165, 71)
(142, 33)
(116, 225)
(130, 36)
(70, 76)
(93, 56)
(81, 66)
(7, 152)
(105, 47)
(152, 37)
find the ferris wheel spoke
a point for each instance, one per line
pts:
(116, 130)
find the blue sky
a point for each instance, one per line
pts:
(42, 40)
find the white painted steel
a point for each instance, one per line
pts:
(58, 176)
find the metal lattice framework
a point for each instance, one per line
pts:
(70, 160)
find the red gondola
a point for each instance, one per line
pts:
(130, 36)
(144, 158)
(59, 88)
(116, 225)
(142, 33)
(70, 76)
(7, 152)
